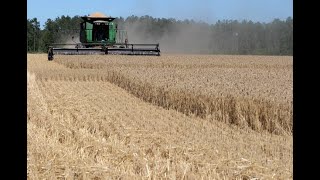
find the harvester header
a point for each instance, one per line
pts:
(100, 35)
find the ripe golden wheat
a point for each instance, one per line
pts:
(171, 117)
(159, 83)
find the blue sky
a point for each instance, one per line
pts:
(205, 10)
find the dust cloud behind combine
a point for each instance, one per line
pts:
(67, 39)
(180, 38)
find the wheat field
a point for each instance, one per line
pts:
(167, 117)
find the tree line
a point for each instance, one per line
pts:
(223, 37)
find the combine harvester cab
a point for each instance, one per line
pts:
(100, 35)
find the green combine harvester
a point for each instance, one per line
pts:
(100, 35)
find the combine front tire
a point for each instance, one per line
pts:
(50, 54)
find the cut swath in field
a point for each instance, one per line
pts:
(160, 84)
(81, 126)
